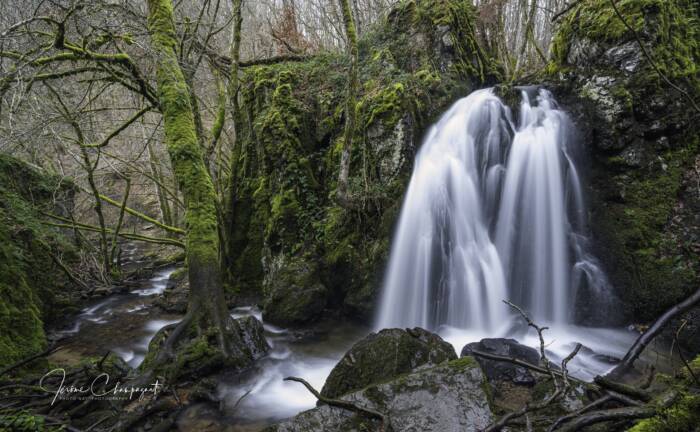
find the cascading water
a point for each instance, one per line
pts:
(493, 211)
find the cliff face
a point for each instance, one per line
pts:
(306, 251)
(643, 142)
(309, 254)
(32, 287)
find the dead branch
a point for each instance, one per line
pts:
(596, 403)
(561, 390)
(627, 413)
(622, 388)
(347, 405)
(645, 338)
(21, 363)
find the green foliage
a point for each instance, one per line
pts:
(411, 66)
(29, 283)
(684, 414)
(23, 421)
(651, 254)
(669, 28)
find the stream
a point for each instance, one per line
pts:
(125, 324)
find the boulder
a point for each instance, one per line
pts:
(450, 397)
(386, 355)
(497, 371)
(295, 294)
(252, 335)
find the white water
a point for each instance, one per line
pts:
(494, 210)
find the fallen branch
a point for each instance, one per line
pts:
(350, 406)
(518, 362)
(30, 359)
(561, 389)
(596, 403)
(645, 338)
(622, 388)
(627, 413)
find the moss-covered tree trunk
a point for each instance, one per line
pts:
(350, 103)
(207, 308)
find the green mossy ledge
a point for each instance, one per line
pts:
(411, 67)
(33, 290)
(643, 141)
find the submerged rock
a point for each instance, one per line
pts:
(386, 355)
(504, 371)
(445, 398)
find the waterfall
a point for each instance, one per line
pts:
(494, 210)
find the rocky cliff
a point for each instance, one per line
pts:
(617, 78)
(307, 252)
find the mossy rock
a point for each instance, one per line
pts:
(385, 355)
(452, 396)
(33, 290)
(412, 65)
(295, 294)
(643, 145)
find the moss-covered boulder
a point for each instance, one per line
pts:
(385, 355)
(33, 287)
(450, 397)
(644, 144)
(412, 65)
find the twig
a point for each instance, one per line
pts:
(680, 353)
(350, 406)
(649, 379)
(565, 10)
(554, 397)
(539, 330)
(240, 399)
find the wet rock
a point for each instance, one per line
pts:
(626, 57)
(503, 371)
(176, 295)
(386, 355)
(296, 296)
(449, 397)
(252, 335)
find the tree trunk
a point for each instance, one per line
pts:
(350, 103)
(206, 308)
(233, 83)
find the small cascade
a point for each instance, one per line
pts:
(494, 210)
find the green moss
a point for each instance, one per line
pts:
(20, 420)
(31, 287)
(653, 256)
(670, 28)
(682, 416)
(412, 65)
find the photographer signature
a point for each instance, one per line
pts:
(99, 388)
